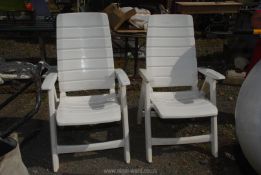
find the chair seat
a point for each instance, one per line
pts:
(84, 110)
(185, 104)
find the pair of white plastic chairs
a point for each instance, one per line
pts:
(85, 62)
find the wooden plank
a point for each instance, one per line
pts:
(208, 7)
(231, 3)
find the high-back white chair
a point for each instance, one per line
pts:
(85, 62)
(170, 62)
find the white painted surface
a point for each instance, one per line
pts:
(84, 52)
(90, 147)
(122, 77)
(171, 43)
(85, 110)
(171, 61)
(85, 62)
(182, 105)
(182, 140)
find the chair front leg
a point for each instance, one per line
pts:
(214, 125)
(141, 104)
(212, 88)
(148, 123)
(53, 131)
(213, 92)
(125, 123)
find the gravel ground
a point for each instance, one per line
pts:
(182, 159)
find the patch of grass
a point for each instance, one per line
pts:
(12, 5)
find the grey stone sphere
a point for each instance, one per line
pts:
(248, 117)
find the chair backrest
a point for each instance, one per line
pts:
(171, 54)
(84, 52)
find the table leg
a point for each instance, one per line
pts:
(78, 5)
(126, 57)
(42, 48)
(136, 55)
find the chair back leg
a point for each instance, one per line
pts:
(148, 135)
(53, 134)
(125, 123)
(214, 136)
(148, 124)
(141, 105)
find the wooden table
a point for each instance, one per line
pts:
(208, 7)
(126, 34)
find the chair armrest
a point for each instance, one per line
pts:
(211, 78)
(211, 73)
(49, 81)
(122, 77)
(144, 75)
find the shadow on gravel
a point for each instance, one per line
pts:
(35, 147)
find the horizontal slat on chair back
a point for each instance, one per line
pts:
(171, 55)
(84, 52)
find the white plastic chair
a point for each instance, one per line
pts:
(170, 62)
(85, 62)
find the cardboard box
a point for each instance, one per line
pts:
(116, 16)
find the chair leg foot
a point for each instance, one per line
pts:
(127, 158)
(55, 162)
(127, 153)
(149, 155)
(139, 120)
(215, 155)
(214, 136)
(53, 133)
(148, 137)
